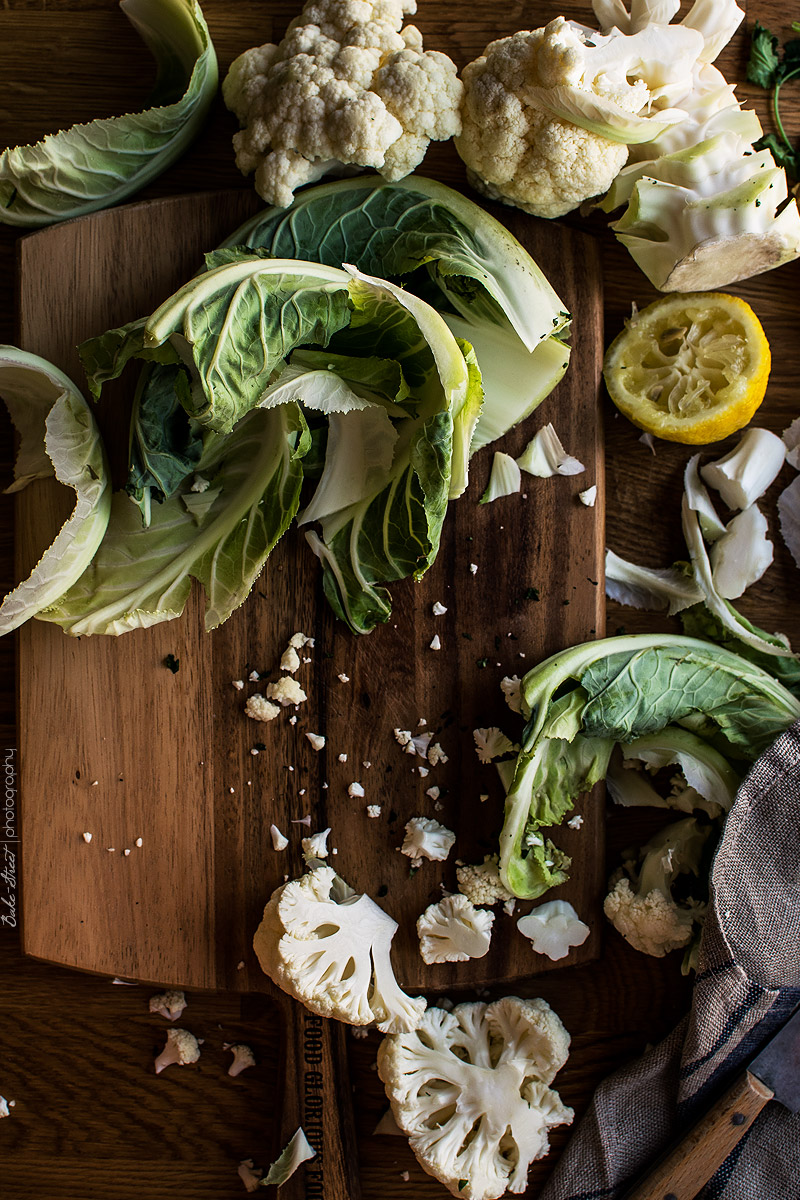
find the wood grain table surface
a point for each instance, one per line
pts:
(90, 1118)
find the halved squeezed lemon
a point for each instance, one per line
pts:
(691, 367)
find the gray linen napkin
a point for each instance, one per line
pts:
(748, 983)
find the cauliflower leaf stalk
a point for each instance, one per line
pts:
(651, 902)
(471, 1090)
(93, 166)
(348, 86)
(330, 948)
(583, 701)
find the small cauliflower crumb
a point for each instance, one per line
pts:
(509, 686)
(290, 660)
(436, 643)
(168, 1004)
(299, 640)
(343, 678)
(316, 846)
(4, 1107)
(373, 810)
(317, 740)
(423, 772)
(473, 568)
(238, 684)
(436, 754)
(286, 691)
(342, 758)
(250, 1175)
(576, 821)
(254, 676)
(589, 496)
(439, 609)
(279, 841)
(433, 792)
(425, 838)
(260, 709)
(87, 837)
(200, 484)
(403, 736)
(491, 743)
(355, 791)
(139, 843)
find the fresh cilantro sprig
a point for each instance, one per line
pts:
(768, 68)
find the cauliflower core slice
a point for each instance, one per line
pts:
(454, 930)
(347, 86)
(470, 1089)
(330, 948)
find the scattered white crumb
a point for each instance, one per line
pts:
(358, 1031)
(647, 440)
(200, 484)
(240, 965)
(87, 837)
(260, 709)
(290, 660)
(110, 849)
(254, 676)
(290, 768)
(95, 782)
(373, 810)
(286, 691)
(306, 820)
(325, 785)
(238, 684)
(342, 757)
(484, 796)
(293, 720)
(439, 609)
(589, 496)
(422, 721)
(403, 736)
(298, 640)
(316, 846)
(279, 842)
(404, 1175)
(344, 678)
(250, 1175)
(302, 792)
(433, 792)
(509, 905)
(355, 791)
(436, 754)
(126, 852)
(254, 751)
(438, 806)
(317, 740)
(423, 771)
(473, 568)
(366, 763)
(231, 790)
(576, 821)
(436, 643)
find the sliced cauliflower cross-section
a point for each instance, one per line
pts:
(470, 1089)
(426, 838)
(330, 949)
(347, 86)
(454, 930)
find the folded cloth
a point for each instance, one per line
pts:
(748, 983)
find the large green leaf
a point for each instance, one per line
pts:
(92, 166)
(58, 437)
(142, 575)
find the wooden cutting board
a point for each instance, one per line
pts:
(114, 743)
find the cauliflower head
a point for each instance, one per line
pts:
(471, 1090)
(347, 86)
(330, 949)
(549, 113)
(652, 923)
(454, 930)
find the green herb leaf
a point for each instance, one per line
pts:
(764, 60)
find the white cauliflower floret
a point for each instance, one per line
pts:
(652, 924)
(520, 142)
(426, 838)
(470, 1089)
(554, 928)
(330, 949)
(182, 1047)
(260, 709)
(454, 930)
(243, 1057)
(168, 1004)
(290, 660)
(347, 86)
(481, 882)
(491, 743)
(286, 691)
